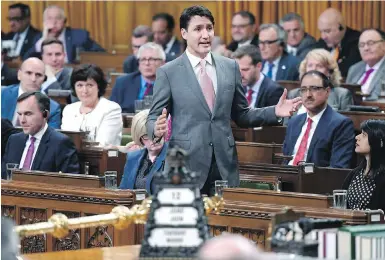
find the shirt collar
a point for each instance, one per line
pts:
(376, 66)
(244, 43)
(40, 134)
(24, 33)
(170, 43)
(62, 35)
(21, 91)
(143, 81)
(276, 61)
(317, 117)
(257, 84)
(194, 60)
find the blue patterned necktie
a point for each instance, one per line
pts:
(270, 71)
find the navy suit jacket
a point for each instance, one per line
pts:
(33, 35)
(56, 153)
(76, 38)
(131, 168)
(9, 97)
(126, 91)
(288, 68)
(333, 141)
(269, 93)
(175, 50)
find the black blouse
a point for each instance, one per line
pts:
(144, 169)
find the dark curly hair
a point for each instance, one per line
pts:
(89, 71)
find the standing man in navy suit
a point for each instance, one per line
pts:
(163, 25)
(278, 64)
(22, 32)
(137, 85)
(260, 90)
(320, 136)
(31, 75)
(39, 147)
(74, 40)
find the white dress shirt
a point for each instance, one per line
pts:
(169, 45)
(19, 43)
(38, 137)
(62, 38)
(314, 124)
(15, 115)
(365, 88)
(105, 119)
(265, 69)
(210, 68)
(255, 89)
(248, 42)
(292, 50)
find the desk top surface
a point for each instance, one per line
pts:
(110, 253)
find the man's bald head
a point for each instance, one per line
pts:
(31, 74)
(332, 27)
(229, 247)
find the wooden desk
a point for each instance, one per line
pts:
(108, 62)
(263, 134)
(114, 253)
(378, 103)
(359, 117)
(27, 203)
(257, 152)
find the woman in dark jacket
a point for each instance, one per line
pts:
(366, 183)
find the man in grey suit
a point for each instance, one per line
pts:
(53, 56)
(298, 43)
(203, 92)
(370, 72)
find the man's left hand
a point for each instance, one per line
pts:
(286, 107)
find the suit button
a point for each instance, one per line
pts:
(211, 144)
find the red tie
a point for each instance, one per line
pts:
(303, 146)
(249, 95)
(367, 74)
(148, 89)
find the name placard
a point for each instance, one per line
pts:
(175, 237)
(176, 196)
(176, 216)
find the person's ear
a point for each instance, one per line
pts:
(183, 33)
(259, 66)
(19, 74)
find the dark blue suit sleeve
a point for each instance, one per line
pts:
(115, 94)
(67, 158)
(286, 149)
(91, 45)
(54, 120)
(4, 161)
(343, 145)
(274, 94)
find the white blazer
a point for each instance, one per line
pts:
(106, 119)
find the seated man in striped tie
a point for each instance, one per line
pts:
(39, 147)
(137, 85)
(321, 136)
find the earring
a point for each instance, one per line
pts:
(382, 143)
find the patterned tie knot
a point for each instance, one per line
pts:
(149, 85)
(309, 120)
(203, 64)
(33, 139)
(369, 71)
(271, 65)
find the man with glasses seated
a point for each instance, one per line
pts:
(370, 72)
(22, 32)
(137, 85)
(321, 136)
(277, 63)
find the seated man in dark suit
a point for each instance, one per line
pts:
(163, 26)
(58, 76)
(141, 35)
(7, 130)
(243, 29)
(260, 90)
(278, 64)
(299, 43)
(74, 40)
(22, 32)
(31, 75)
(39, 147)
(320, 136)
(137, 85)
(339, 39)
(8, 75)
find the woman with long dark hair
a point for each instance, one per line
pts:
(366, 183)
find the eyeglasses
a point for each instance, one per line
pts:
(149, 60)
(369, 43)
(312, 89)
(267, 42)
(239, 26)
(15, 19)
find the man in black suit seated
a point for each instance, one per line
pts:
(8, 75)
(260, 90)
(163, 25)
(243, 30)
(141, 35)
(58, 76)
(339, 39)
(74, 40)
(299, 43)
(7, 130)
(39, 147)
(22, 32)
(137, 85)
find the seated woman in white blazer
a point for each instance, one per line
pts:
(93, 112)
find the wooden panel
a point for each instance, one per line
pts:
(110, 23)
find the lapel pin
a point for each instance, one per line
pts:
(283, 67)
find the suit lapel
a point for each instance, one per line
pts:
(261, 93)
(360, 71)
(192, 81)
(43, 146)
(282, 69)
(319, 130)
(68, 38)
(378, 77)
(159, 163)
(219, 68)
